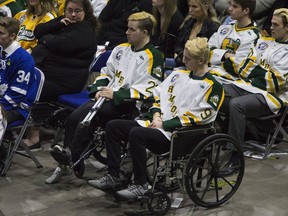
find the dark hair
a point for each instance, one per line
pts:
(88, 10)
(250, 4)
(10, 24)
(45, 7)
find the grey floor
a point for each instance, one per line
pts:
(263, 192)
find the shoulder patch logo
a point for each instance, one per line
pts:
(224, 31)
(157, 71)
(119, 54)
(215, 100)
(262, 46)
(174, 78)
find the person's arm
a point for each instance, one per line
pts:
(151, 70)
(199, 114)
(76, 38)
(270, 76)
(49, 27)
(19, 81)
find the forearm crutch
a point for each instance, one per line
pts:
(92, 112)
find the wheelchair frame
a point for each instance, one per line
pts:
(200, 171)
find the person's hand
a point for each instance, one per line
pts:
(107, 93)
(156, 123)
(228, 55)
(66, 21)
(97, 95)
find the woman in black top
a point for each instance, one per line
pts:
(200, 22)
(66, 46)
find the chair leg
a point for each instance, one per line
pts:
(30, 155)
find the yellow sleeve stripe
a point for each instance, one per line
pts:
(135, 94)
(270, 87)
(196, 120)
(185, 120)
(247, 69)
(274, 101)
(150, 63)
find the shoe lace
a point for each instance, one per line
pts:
(134, 188)
(106, 179)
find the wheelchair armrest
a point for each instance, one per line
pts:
(189, 128)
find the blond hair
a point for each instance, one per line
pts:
(283, 13)
(198, 48)
(146, 21)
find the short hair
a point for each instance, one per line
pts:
(146, 21)
(283, 13)
(250, 4)
(197, 48)
(10, 24)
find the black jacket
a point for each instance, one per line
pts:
(208, 28)
(114, 17)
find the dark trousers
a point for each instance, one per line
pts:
(139, 139)
(76, 138)
(240, 105)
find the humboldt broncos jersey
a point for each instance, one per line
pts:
(230, 38)
(135, 73)
(17, 79)
(10, 8)
(265, 71)
(185, 100)
(28, 23)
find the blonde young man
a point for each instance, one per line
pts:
(136, 68)
(189, 96)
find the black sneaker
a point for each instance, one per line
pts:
(62, 156)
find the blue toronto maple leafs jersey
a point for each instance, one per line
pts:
(17, 79)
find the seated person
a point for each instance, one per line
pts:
(263, 87)
(231, 43)
(66, 46)
(169, 20)
(136, 68)
(65, 49)
(10, 8)
(17, 79)
(175, 106)
(263, 7)
(200, 22)
(38, 11)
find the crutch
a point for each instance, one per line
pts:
(92, 112)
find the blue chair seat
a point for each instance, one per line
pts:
(74, 100)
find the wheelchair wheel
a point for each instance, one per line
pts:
(205, 181)
(159, 203)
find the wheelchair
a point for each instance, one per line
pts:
(195, 165)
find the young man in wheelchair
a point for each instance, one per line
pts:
(135, 68)
(17, 75)
(262, 85)
(187, 97)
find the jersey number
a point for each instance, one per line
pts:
(22, 77)
(150, 88)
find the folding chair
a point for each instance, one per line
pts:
(271, 137)
(11, 145)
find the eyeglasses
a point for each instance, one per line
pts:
(76, 11)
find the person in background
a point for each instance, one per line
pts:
(169, 20)
(262, 89)
(38, 11)
(66, 46)
(114, 17)
(175, 106)
(98, 6)
(232, 42)
(9, 8)
(135, 68)
(17, 75)
(200, 22)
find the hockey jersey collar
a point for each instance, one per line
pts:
(11, 49)
(191, 75)
(147, 46)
